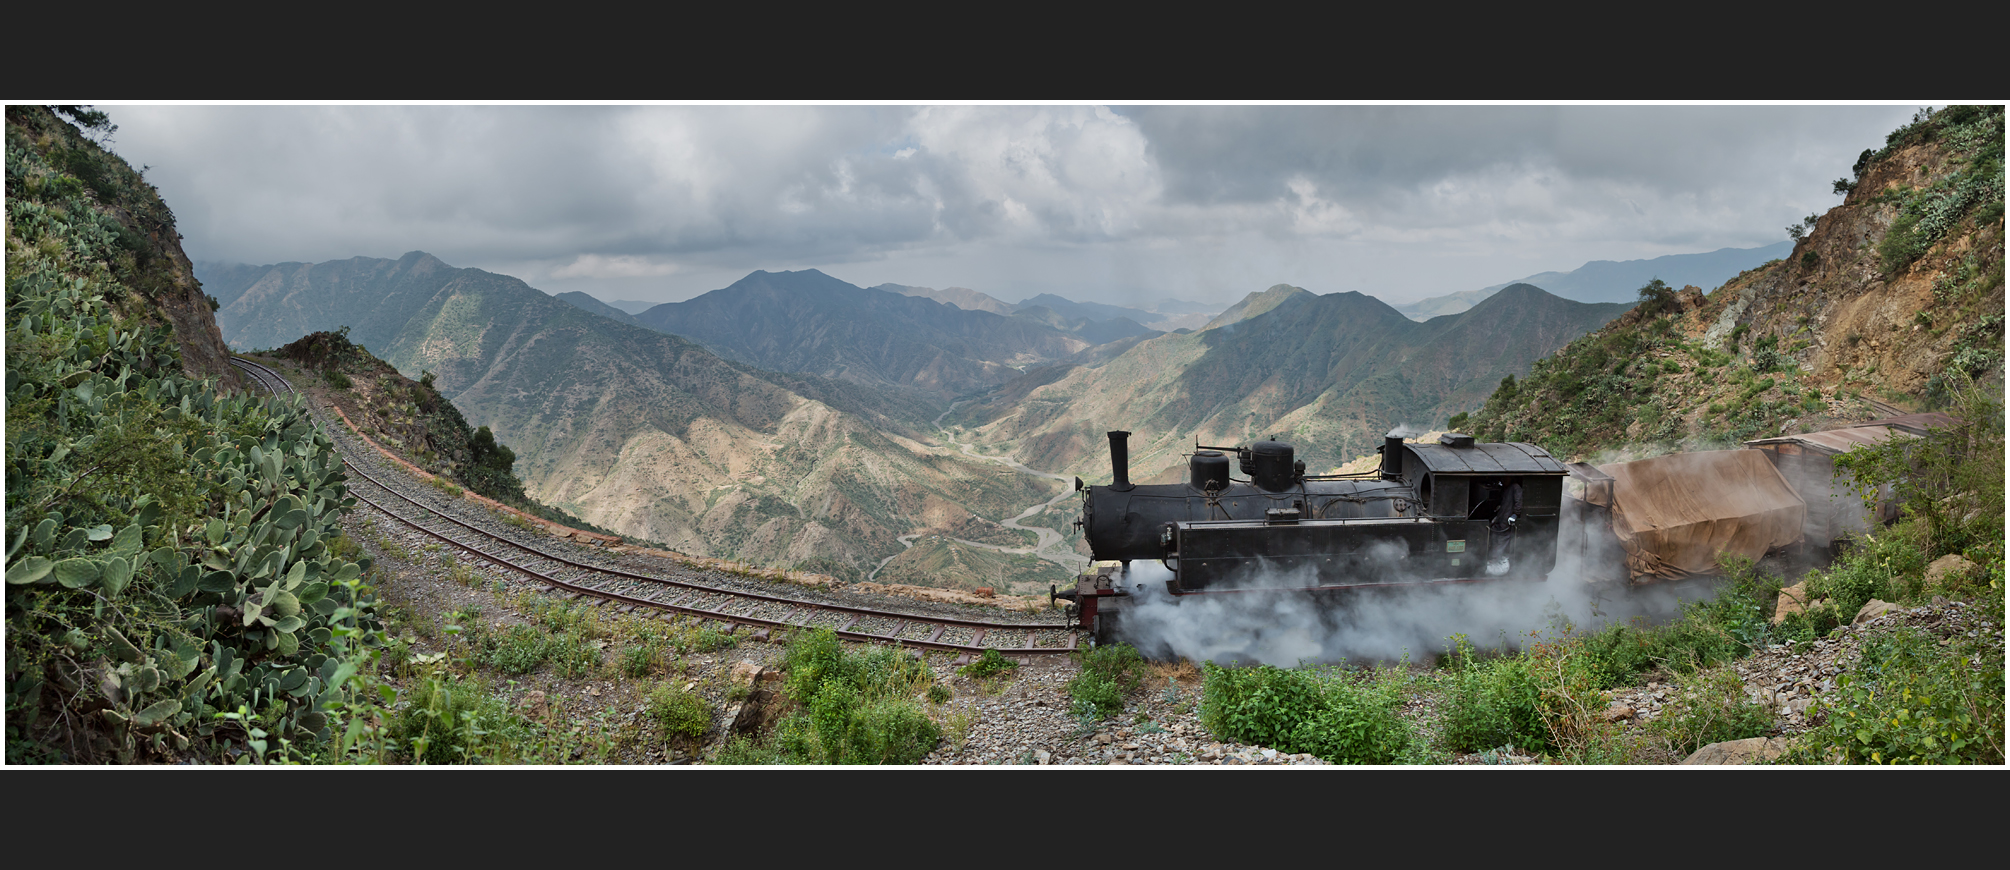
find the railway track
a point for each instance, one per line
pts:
(706, 595)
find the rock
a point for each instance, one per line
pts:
(1948, 572)
(1042, 756)
(1744, 751)
(1793, 599)
(1873, 609)
(1618, 713)
(745, 673)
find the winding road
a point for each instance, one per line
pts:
(1046, 541)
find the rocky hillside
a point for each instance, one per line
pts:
(644, 433)
(58, 164)
(1893, 298)
(174, 555)
(1330, 373)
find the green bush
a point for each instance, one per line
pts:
(680, 713)
(1108, 673)
(1301, 710)
(442, 720)
(519, 651)
(991, 663)
(1492, 703)
(857, 707)
(637, 659)
(1912, 701)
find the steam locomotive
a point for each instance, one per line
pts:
(1452, 512)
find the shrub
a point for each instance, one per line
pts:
(1310, 711)
(1492, 703)
(680, 713)
(520, 651)
(1108, 673)
(858, 707)
(991, 663)
(1912, 701)
(441, 720)
(637, 659)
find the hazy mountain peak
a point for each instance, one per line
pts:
(1255, 304)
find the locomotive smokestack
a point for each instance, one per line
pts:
(1392, 454)
(1120, 461)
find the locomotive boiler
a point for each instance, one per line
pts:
(1456, 511)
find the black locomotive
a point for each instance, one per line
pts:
(1451, 512)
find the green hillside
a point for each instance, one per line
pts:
(177, 584)
(1893, 298)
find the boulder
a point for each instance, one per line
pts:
(1873, 609)
(1793, 599)
(745, 673)
(1746, 751)
(1949, 572)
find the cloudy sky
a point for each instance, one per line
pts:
(1121, 204)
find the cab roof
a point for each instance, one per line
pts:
(1513, 458)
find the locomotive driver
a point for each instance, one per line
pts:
(1506, 515)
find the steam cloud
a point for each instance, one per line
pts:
(1383, 624)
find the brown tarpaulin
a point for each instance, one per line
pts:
(1676, 514)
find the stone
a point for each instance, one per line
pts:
(1618, 713)
(745, 673)
(1873, 609)
(1746, 751)
(1793, 599)
(1042, 756)
(1948, 572)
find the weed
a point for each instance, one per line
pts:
(638, 659)
(680, 713)
(1107, 674)
(991, 663)
(1711, 709)
(1912, 701)
(1304, 710)
(858, 706)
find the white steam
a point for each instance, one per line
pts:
(1382, 623)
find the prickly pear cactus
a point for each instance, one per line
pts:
(172, 584)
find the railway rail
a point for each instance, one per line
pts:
(717, 599)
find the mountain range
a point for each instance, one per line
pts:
(640, 431)
(1610, 281)
(1329, 373)
(787, 418)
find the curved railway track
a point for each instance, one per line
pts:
(703, 595)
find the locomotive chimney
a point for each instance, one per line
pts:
(1392, 455)
(1120, 461)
